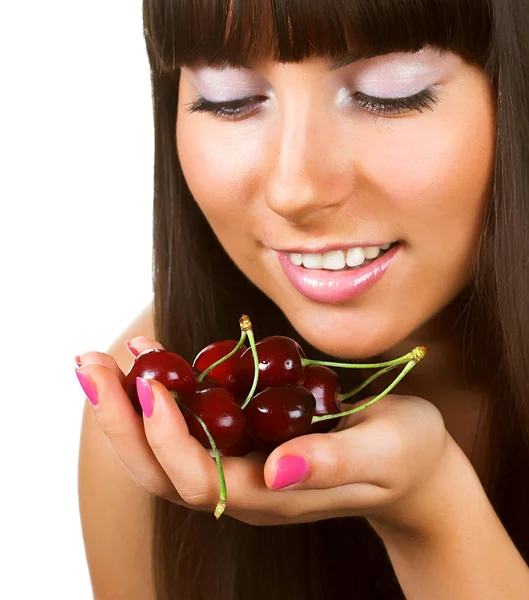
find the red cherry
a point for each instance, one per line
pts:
(324, 384)
(203, 385)
(223, 417)
(279, 363)
(170, 369)
(245, 446)
(225, 373)
(206, 385)
(278, 414)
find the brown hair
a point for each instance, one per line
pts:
(200, 294)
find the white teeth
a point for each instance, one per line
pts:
(312, 261)
(355, 257)
(372, 252)
(334, 261)
(296, 259)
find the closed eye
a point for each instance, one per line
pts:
(229, 109)
(426, 99)
(385, 107)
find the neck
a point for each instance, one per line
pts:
(447, 378)
(447, 366)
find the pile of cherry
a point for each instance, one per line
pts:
(237, 399)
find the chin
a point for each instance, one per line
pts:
(346, 349)
(336, 338)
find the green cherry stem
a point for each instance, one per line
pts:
(223, 498)
(246, 326)
(417, 354)
(391, 363)
(406, 369)
(343, 397)
(205, 373)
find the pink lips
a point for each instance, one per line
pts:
(334, 287)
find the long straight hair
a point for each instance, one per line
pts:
(200, 294)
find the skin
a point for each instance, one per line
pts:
(309, 168)
(306, 169)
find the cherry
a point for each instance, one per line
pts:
(278, 414)
(223, 417)
(225, 373)
(203, 385)
(170, 369)
(296, 396)
(279, 363)
(324, 384)
(206, 385)
(245, 446)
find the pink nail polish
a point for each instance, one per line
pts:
(88, 385)
(131, 349)
(145, 396)
(290, 470)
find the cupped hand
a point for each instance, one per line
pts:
(372, 465)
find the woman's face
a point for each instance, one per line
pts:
(315, 162)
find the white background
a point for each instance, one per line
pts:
(76, 155)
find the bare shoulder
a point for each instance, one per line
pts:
(116, 515)
(143, 325)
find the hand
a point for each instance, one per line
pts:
(373, 465)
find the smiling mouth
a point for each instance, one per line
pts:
(341, 283)
(340, 260)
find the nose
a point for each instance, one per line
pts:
(309, 172)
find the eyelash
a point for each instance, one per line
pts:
(385, 107)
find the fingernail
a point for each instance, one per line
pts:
(88, 385)
(131, 349)
(290, 470)
(145, 396)
(78, 361)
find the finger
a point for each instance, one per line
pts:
(251, 501)
(364, 414)
(100, 358)
(140, 344)
(188, 464)
(195, 476)
(359, 455)
(136, 346)
(123, 429)
(194, 473)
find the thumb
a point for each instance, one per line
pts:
(327, 460)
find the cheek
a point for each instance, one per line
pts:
(220, 170)
(439, 186)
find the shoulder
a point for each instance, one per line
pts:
(141, 325)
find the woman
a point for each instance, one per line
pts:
(293, 140)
